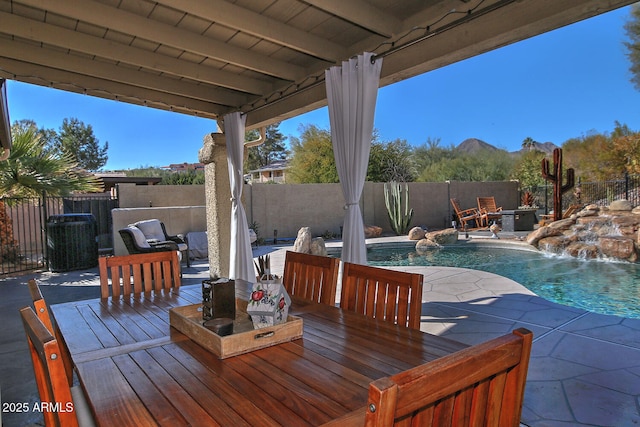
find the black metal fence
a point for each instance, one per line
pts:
(601, 193)
(23, 227)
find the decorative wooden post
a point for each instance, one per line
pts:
(556, 177)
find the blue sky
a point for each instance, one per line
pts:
(553, 87)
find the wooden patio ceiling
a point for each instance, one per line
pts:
(263, 57)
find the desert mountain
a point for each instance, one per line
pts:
(473, 145)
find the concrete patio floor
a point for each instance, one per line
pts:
(584, 369)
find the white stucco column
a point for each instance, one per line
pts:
(218, 202)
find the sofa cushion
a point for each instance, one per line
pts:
(139, 237)
(151, 229)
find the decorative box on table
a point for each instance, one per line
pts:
(269, 304)
(245, 338)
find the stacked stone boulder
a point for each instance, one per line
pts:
(433, 239)
(307, 244)
(594, 232)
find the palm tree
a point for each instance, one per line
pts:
(32, 169)
(29, 171)
(528, 143)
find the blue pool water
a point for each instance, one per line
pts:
(597, 286)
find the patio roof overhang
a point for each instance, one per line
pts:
(263, 57)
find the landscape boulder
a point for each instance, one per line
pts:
(416, 233)
(620, 205)
(596, 232)
(318, 247)
(618, 247)
(448, 236)
(424, 245)
(303, 241)
(371, 231)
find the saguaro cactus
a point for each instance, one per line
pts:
(555, 176)
(399, 215)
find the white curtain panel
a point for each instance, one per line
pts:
(352, 90)
(241, 255)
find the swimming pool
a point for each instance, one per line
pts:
(597, 286)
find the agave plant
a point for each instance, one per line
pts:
(528, 199)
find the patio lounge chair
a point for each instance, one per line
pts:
(136, 243)
(155, 232)
(466, 216)
(487, 207)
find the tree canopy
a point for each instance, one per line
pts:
(600, 156)
(312, 160)
(632, 28)
(33, 168)
(77, 140)
(271, 150)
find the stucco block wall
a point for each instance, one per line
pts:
(144, 196)
(288, 207)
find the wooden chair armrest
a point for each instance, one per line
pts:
(164, 246)
(467, 211)
(352, 419)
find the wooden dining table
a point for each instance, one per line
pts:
(136, 370)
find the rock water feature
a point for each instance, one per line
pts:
(594, 232)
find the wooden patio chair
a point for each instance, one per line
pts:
(311, 277)
(482, 385)
(390, 295)
(466, 216)
(51, 378)
(487, 207)
(42, 311)
(138, 273)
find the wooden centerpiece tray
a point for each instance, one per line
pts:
(188, 320)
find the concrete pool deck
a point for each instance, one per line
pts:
(584, 369)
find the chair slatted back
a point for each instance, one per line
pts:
(49, 370)
(488, 204)
(311, 277)
(42, 311)
(134, 274)
(393, 296)
(482, 385)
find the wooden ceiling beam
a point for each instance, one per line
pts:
(238, 18)
(110, 72)
(362, 13)
(64, 80)
(138, 26)
(92, 45)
